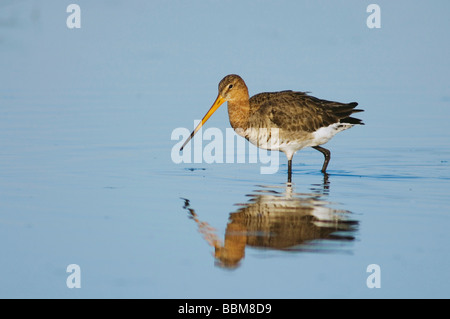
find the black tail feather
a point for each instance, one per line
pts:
(344, 111)
(352, 120)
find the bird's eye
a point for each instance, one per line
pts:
(230, 86)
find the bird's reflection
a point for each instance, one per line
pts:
(280, 219)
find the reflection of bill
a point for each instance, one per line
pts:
(279, 220)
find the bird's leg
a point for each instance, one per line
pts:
(289, 170)
(327, 155)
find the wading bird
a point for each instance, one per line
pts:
(284, 121)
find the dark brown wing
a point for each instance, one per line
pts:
(298, 111)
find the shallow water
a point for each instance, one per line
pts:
(86, 175)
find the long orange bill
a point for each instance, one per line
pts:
(218, 102)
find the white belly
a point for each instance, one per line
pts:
(271, 139)
(324, 134)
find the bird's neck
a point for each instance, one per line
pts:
(239, 113)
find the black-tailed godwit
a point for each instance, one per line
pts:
(284, 121)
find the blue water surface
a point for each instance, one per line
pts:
(87, 176)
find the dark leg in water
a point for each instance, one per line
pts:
(327, 155)
(289, 170)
